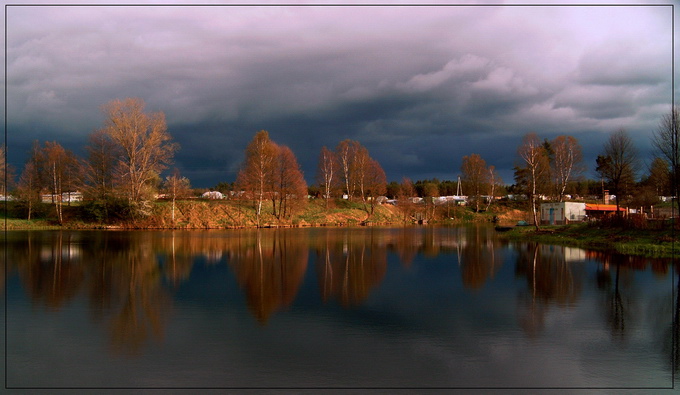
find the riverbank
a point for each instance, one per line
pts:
(192, 214)
(231, 214)
(237, 215)
(656, 243)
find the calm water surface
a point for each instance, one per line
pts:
(429, 307)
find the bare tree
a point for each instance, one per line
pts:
(61, 166)
(494, 180)
(32, 179)
(100, 166)
(146, 147)
(659, 176)
(6, 173)
(346, 151)
(290, 188)
(534, 156)
(406, 194)
(666, 140)
(618, 164)
(567, 161)
(476, 176)
(327, 170)
(176, 187)
(362, 166)
(374, 183)
(257, 171)
(3, 172)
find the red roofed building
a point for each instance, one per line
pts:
(602, 210)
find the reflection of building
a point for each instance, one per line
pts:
(574, 254)
(562, 213)
(68, 252)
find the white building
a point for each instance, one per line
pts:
(66, 197)
(562, 213)
(213, 195)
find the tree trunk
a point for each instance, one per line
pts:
(533, 198)
(173, 209)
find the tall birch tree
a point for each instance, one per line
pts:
(567, 162)
(346, 152)
(61, 167)
(327, 172)
(257, 170)
(533, 153)
(176, 187)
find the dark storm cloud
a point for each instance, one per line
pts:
(419, 86)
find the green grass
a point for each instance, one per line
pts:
(658, 243)
(24, 224)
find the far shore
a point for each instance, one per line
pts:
(650, 242)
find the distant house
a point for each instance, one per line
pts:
(212, 195)
(562, 213)
(452, 199)
(66, 197)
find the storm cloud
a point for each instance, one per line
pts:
(420, 86)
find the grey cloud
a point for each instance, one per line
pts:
(419, 86)
(599, 102)
(629, 63)
(468, 68)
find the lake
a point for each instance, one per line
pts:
(332, 308)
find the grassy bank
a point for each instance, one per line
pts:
(228, 214)
(659, 243)
(202, 214)
(24, 224)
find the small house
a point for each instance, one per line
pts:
(562, 213)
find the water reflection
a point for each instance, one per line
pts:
(129, 279)
(553, 277)
(349, 265)
(120, 276)
(270, 267)
(479, 258)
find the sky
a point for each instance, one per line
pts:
(419, 86)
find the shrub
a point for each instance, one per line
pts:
(106, 211)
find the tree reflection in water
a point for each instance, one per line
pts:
(270, 268)
(478, 258)
(51, 269)
(128, 277)
(349, 265)
(121, 276)
(618, 301)
(144, 302)
(552, 277)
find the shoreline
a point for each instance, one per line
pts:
(657, 243)
(650, 243)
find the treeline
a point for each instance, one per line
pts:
(122, 172)
(551, 169)
(119, 176)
